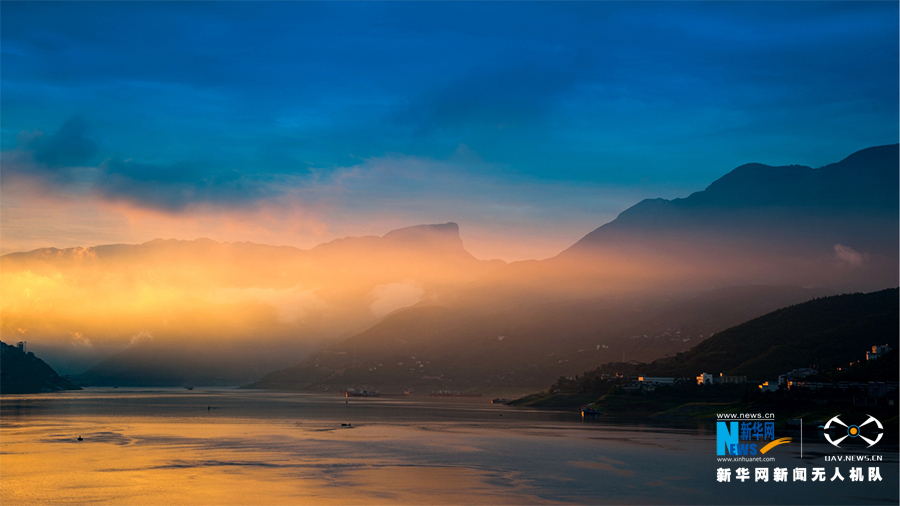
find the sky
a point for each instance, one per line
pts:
(529, 124)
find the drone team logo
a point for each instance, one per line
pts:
(854, 431)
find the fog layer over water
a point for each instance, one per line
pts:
(174, 446)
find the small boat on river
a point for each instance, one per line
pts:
(352, 392)
(590, 410)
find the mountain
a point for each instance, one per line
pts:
(252, 307)
(24, 373)
(662, 276)
(834, 226)
(775, 200)
(441, 348)
(825, 333)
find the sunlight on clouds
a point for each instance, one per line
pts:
(105, 299)
(143, 336)
(502, 217)
(79, 340)
(849, 256)
(394, 296)
(291, 304)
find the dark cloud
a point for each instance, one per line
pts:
(177, 186)
(502, 97)
(70, 146)
(60, 160)
(613, 93)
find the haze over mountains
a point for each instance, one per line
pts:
(231, 309)
(662, 276)
(657, 280)
(834, 227)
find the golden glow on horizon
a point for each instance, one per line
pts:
(203, 290)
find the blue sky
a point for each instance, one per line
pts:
(528, 123)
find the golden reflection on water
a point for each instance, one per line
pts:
(233, 447)
(143, 463)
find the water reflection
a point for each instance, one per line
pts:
(250, 447)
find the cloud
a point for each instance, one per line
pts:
(291, 304)
(519, 94)
(79, 341)
(59, 161)
(501, 215)
(850, 256)
(393, 296)
(181, 185)
(141, 337)
(70, 146)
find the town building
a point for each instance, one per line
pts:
(788, 377)
(730, 379)
(705, 379)
(709, 379)
(768, 387)
(877, 351)
(656, 380)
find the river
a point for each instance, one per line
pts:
(227, 446)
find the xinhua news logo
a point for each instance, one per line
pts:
(747, 437)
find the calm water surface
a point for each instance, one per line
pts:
(219, 446)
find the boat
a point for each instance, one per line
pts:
(590, 411)
(453, 393)
(501, 400)
(352, 392)
(189, 388)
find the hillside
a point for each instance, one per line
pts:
(24, 373)
(825, 333)
(434, 348)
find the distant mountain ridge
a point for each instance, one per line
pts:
(443, 236)
(853, 203)
(834, 227)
